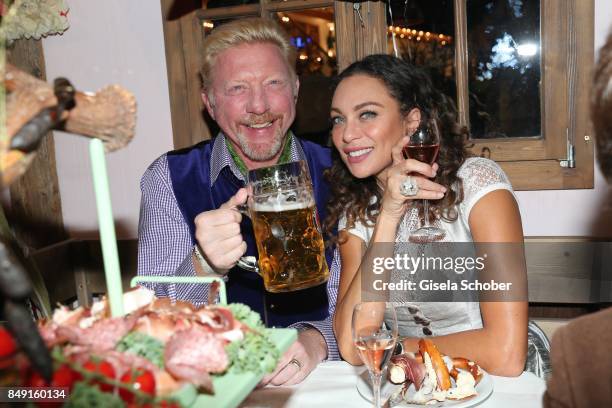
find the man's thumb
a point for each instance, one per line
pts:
(239, 198)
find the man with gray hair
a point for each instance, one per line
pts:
(189, 224)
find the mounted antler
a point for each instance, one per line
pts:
(35, 107)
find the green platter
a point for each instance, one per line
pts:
(230, 389)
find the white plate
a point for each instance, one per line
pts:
(484, 389)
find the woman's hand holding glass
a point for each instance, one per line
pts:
(424, 145)
(394, 201)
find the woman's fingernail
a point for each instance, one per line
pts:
(440, 195)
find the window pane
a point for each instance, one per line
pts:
(424, 35)
(210, 4)
(312, 33)
(504, 68)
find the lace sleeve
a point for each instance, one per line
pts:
(359, 230)
(480, 176)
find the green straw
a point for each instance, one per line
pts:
(107, 228)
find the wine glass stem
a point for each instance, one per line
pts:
(425, 213)
(376, 380)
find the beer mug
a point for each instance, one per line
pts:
(282, 207)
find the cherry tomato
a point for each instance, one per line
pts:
(102, 368)
(138, 379)
(168, 404)
(7, 362)
(64, 376)
(7, 343)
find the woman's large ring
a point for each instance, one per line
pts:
(296, 363)
(409, 187)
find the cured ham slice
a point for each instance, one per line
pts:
(102, 335)
(191, 354)
(407, 368)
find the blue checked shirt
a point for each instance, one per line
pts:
(164, 240)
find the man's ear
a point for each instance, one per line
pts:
(412, 121)
(208, 103)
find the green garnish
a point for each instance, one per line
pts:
(85, 395)
(255, 353)
(246, 316)
(143, 345)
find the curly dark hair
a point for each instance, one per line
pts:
(601, 106)
(412, 88)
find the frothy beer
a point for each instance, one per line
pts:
(289, 241)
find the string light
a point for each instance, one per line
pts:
(418, 35)
(208, 24)
(285, 19)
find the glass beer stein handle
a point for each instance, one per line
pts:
(248, 263)
(243, 209)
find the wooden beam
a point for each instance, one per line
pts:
(461, 62)
(360, 31)
(345, 37)
(36, 209)
(226, 12)
(296, 5)
(192, 37)
(182, 39)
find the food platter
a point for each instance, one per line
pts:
(230, 389)
(364, 387)
(160, 352)
(428, 377)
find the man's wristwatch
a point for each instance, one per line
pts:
(206, 268)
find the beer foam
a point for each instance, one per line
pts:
(282, 206)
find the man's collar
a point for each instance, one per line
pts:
(220, 158)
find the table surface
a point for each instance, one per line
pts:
(332, 384)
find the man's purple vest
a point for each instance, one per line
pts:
(190, 174)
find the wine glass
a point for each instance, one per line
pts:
(374, 327)
(423, 146)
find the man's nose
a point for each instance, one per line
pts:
(258, 101)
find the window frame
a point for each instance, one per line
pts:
(567, 33)
(567, 36)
